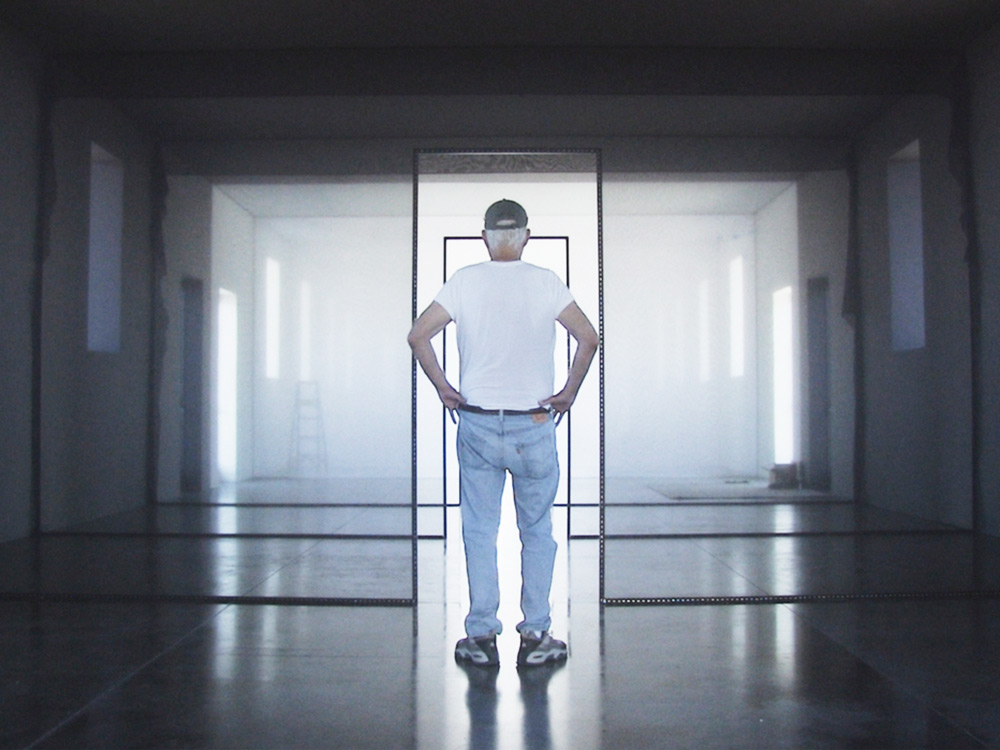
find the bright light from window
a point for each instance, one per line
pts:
(737, 322)
(272, 318)
(786, 623)
(704, 333)
(227, 385)
(305, 331)
(784, 375)
(226, 520)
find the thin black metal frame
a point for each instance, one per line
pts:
(598, 171)
(445, 504)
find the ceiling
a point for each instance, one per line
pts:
(63, 26)
(200, 70)
(436, 116)
(267, 70)
(624, 196)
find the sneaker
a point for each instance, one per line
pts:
(481, 651)
(539, 648)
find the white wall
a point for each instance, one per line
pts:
(360, 272)
(777, 242)
(20, 72)
(672, 407)
(653, 348)
(233, 270)
(274, 398)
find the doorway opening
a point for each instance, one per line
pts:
(561, 193)
(192, 369)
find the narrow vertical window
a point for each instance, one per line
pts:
(704, 333)
(784, 377)
(104, 265)
(737, 319)
(906, 249)
(272, 318)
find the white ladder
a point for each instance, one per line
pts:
(308, 438)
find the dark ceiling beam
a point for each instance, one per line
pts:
(508, 71)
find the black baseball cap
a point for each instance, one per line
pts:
(505, 214)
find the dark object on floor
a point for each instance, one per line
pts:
(784, 477)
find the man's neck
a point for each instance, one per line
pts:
(505, 255)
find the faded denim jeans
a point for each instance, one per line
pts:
(489, 446)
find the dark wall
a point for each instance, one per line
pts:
(918, 403)
(94, 404)
(986, 151)
(20, 78)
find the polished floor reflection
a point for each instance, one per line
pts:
(107, 643)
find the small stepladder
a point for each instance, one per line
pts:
(308, 437)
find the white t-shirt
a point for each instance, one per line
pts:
(505, 314)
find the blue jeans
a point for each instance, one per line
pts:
(489, 446)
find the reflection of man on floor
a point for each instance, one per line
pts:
(505, 312)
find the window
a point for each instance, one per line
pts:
(784, 376)
(104, 266)
(704, 332)
(272, 318)
(737, 319)
(906, 249)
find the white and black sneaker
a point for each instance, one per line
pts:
(481, 651)
(540, 648)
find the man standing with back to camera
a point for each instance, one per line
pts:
(505, 312)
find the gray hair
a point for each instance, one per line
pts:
(499, 237)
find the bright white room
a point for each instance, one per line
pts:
(699, 375)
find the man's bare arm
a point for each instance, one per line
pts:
(587, 342)
(430, 323)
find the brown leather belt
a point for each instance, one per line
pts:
(496, 412)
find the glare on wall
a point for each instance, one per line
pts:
(272, 318)
(704, 332)
(104, 272)
(906, 249)
(227, 383)
(784, 375)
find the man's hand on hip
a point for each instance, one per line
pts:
(451, 398)
(560, 402)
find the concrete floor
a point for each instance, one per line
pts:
(114, 637)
